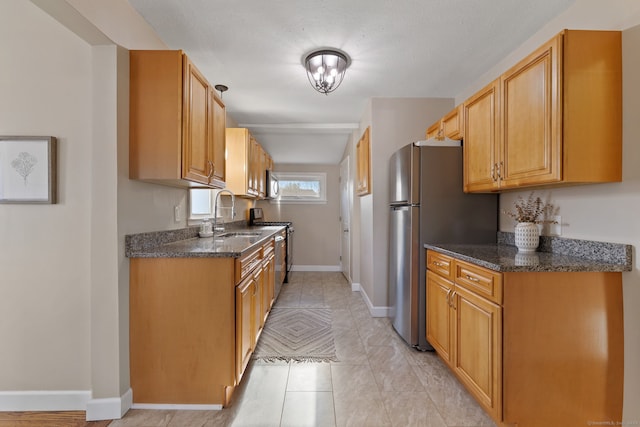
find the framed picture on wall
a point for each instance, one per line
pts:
(28, 169)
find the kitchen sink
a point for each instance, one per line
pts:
(240, 234)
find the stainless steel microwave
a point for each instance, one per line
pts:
(273, 189)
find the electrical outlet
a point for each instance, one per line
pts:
(177, 213)
(556, 229)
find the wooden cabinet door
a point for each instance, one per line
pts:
(245, 303)
(452, 124)
(197, 144)
(218, 134)
(439, 317)
(481, 127)
(531, 125)
(363, 165)
(478, 348)
(254, 164)
(258, 304)
(433, 131)
(269, 280)
(262, 167)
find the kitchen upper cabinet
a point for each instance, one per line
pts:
(219, 126)
(247, 162)
(480, 148)
(176, 122)
(363, 164)
(531, 128)
(449, 126)
(560, 117)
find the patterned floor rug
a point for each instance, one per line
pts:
(297, 334)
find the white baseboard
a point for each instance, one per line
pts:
(316, 268)
(373, 310)
(174, 407)
(49, 400)
(111, 408)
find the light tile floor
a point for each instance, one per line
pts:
(378, 380)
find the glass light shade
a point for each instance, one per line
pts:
(325, 69)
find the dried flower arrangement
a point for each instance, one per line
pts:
(532, 209)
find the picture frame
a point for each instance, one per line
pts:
(28, 169)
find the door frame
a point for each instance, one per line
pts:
(346, 207)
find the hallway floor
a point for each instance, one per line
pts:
(378, 380)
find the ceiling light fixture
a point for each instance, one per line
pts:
(221, 89)
(326, 68)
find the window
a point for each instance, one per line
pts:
(200, 204)
(301, 187)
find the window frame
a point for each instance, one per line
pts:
(320, 177)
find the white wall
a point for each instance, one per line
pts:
(46, 88)
(64, 291)
(603, 212)
(317, 226)
(395, 122)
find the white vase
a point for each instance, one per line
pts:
(527, 236)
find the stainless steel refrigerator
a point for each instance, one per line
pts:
(427, 205)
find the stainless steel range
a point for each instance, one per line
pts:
(256, 217)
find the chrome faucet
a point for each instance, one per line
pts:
(216, 227)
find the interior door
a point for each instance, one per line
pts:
(345, 218)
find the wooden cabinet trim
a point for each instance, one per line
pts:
(363, 164)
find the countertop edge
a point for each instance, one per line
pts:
(164, 244)
(505, 258)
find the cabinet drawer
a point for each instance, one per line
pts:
(479, 280)
(268, 248)
(441, 264)
(247, 263)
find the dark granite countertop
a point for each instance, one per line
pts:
(555, 255)
(185, 243)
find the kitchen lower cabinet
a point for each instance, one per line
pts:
(194, 324)
(465, 329)
(440, 331)
(533, 348)
(268, 294)
(245, 323)
(477, 356)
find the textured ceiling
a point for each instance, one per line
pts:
(400, 48)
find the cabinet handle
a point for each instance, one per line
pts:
(448, 297)
(500, 167)
(493, 172)
(438, 264)
(471, 278)
(453, 301)
(211, 169)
